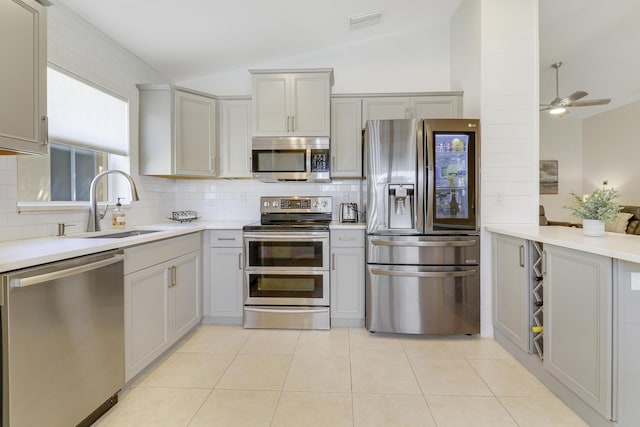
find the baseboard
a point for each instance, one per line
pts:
(346, 323)
(219, 320)
(534, 365)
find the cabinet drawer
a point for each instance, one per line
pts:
(225, 238)
(146, 255)
(347, 239)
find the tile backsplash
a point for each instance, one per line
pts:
(240, 199)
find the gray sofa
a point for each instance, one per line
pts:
(633, 226)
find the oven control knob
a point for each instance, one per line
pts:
(265, 204)
(324, 203)
(274, 204)
(315, 204)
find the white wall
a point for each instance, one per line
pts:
(509, 120)
(561, 140)
(464, 34)
(78, 47)
(590, 151)
(610, 152)
(410, 61)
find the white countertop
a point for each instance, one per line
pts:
(29, 252)
(615, 245)
(19, 254)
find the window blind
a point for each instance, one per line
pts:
(83, 115)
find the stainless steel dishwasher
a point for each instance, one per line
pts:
(62, 341)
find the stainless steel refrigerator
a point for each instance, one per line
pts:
(423, 241)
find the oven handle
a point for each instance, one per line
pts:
(445, 243)
(433, 274)
(294, 311)
(312, 236)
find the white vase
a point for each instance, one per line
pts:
(593, 227)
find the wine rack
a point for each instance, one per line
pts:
(537, 298)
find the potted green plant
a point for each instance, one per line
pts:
(596, 209)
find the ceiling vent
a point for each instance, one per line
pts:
(365, 19)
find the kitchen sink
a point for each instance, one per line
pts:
(130, 233)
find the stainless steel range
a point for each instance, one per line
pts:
(286, 282)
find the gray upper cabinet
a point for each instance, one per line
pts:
(436, 106)
(346, 137)
(234, 146)
(578, 324)
(177, 132)
(291, 102)
(23, 103)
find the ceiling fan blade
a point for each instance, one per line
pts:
(591, 102)
(545, 107)
(573, 97)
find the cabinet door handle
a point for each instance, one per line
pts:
(239, 261)
(406, 113)
(226, 238)
(544, 263)
(333, 261)
(521, 255)
(44, 130)
(288, 123)
(173, 276)
(293, 123)
(212, 166)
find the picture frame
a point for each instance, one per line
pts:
(548, 177)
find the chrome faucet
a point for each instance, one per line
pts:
(94, 215)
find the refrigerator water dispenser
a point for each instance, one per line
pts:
(400, 206)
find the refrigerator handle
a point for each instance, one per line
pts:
(439, 244)
(423, 274)
(429, 179)
(421, 212)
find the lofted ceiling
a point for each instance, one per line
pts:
(188, 39)
(599, 45)
(598, 42)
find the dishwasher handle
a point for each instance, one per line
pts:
(55, 275)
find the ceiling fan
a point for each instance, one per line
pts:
(559, 106)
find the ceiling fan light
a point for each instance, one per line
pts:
(557, 110)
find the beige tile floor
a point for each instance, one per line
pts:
(229, 376)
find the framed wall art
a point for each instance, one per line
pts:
(548, 177)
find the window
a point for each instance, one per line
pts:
(72, 170)
(88, 133)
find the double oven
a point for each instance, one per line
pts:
(287, 271)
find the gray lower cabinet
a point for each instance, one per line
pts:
(578, 324)
(627, 343)
(511, 289)
(225, 297)
(347, 277)
(162, 299)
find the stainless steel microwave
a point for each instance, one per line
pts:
(290, 159)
